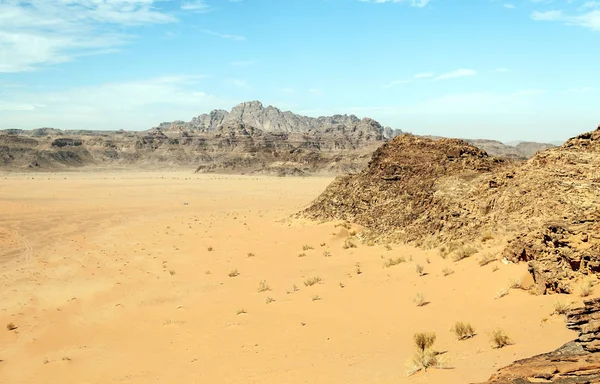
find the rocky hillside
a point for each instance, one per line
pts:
(421, 190)
(577, 362)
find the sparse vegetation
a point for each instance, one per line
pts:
(11, 326)
(323, 244)
(316, 298)
(207, 272)
(240, 312)
(516, 284)
(501, 293)
(586, 288)
(427, 260)
(234, 273)
(349, 243)
(561, 308)
(251, 254)
(487, 236)
(269, 300)
(326, 253)
(420, 270)
(486, 259)
(302, 254)
(358, 270)
(463, 252)
(388, 246)
(495, 268)
(419, 300)
(307, 247)
(172, 272)
(312, 281)
(391, 262)
(500, 339)
(425, 357)
(263, 286)
(463, 330)
(447, 271)
(210, 249)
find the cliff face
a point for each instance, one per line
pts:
(417, 189)
(576, 362)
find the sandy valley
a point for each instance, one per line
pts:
(154, 277)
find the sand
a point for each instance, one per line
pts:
(124, 278)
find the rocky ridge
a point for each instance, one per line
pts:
(576, 362)
(435, 192)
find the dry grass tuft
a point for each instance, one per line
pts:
(240, 312)
(463, 252)
(420, 270)
(388, 247)
(447, 271)
(326, 253)
(586, 288)
(316, 298)
(269, 300)
(251, 254)
(307, 247)
(561, 308)
(500, 339)
(419, 300)
(210, 249)
(349, 243)
(423, 360)
(263, 286)
(424, 340)
(463, 331)
(234, 273)
(312, 281)
(391, 262)
(487, 236)
(11, 326)
(486, 259)
(501, 293)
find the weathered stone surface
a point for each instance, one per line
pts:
(576, 362)
(417, 189)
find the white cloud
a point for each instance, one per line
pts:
(132, 105)
(509, 6)
(590, 19)
(456, 73)
(41, 32)
(396, 82)
(195, 6)
(413, 3)
(423, 75)
(224, 35)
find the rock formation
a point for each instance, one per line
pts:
(576, 362)
(421, 190)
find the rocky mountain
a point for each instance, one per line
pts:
(437, 192)
(250, 138)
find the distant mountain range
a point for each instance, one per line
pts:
(250, 138)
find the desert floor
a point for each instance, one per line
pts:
(124, 278)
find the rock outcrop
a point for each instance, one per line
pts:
(437, 191)
(576, 362)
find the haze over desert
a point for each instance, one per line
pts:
(130, 277)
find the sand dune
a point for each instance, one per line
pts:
(125, 278)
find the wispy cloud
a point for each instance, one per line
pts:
(199, 6)
(224, 35)
(413, 3)
(588, 19)
(34, 33)
(423, 75)
(456, 73)
(509, 6)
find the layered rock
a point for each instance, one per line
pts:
(418, 189)
(576, 362)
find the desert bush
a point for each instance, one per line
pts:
(302, 254)
(316, 298)
(358, 270)
(323, 244)
(420, 270)
(463, 330)
(11, 326)
(424, 340)
(251, 254)
(388, 247)
(269, 300)
(312, 281)
(487, 236)
(172, 272)
(263, 286)
(423, 360)
(349, 243)
(500, 339)
(326, 253)
(586, 288)
(391, 262)
(210, 249)
(516, 284)
(240, 312)
(501, 293)
(561, 308)
(447, 271)
(306, 247)
(234, 273)
(419, 300)
(463, 252)
(486, 259)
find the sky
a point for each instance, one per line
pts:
(505, 70)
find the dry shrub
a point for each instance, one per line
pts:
(234, 273)
(307, 247)
(561, 308)
(463, 330)
(425, 357)
(501, 293)
(486, 259)
(349, 243)
(487, 236)
(11, 326)
(420, 270)
(391, 262)
(312, 281)
(447, 271)
(463, 252)
(419, 300)
(269, 300)
(424, 340)
(500, 339)
(263, 286)
(586, 288)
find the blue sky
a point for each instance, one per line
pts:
(508, 70)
